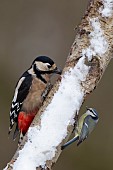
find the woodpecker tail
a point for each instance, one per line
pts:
(16, 132)
(10, 128)
(69, 142)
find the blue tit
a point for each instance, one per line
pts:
(85, 126)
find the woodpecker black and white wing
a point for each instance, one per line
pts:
(21, 91)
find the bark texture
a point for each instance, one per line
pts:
(97, 66)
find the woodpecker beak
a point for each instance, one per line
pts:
(57, 71)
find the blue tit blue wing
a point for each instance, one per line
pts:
(85, 129)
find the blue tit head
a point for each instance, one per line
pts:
(93, 113)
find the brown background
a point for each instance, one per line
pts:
(33, 27)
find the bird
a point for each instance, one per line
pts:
(30, 92)
(85, 125)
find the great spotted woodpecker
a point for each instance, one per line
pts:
(31, 89)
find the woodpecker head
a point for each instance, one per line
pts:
(45, 65)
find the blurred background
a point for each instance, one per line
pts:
(38, 27)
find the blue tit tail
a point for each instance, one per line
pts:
(69, 142)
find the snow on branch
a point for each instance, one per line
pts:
(87, 60)
(107, 11)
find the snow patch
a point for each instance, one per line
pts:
(98, 43)
(107, 9)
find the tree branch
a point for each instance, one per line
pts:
(85, 65)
